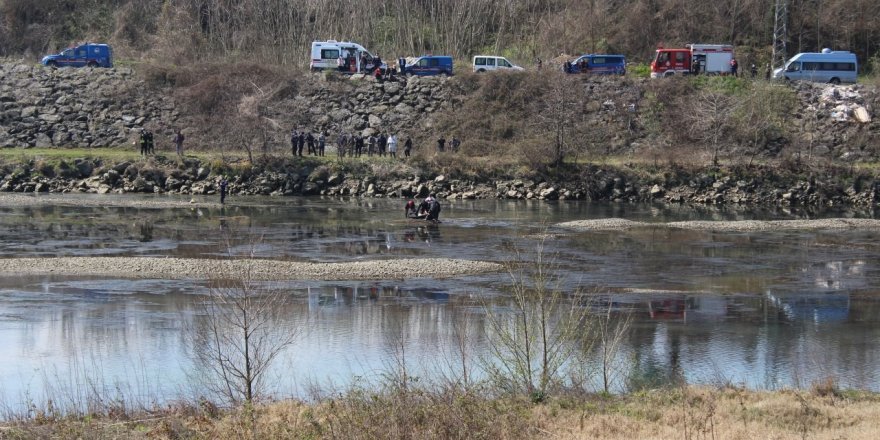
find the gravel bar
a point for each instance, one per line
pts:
(254, 269)
(614, 224)
(95, 200)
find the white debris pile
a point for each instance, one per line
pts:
(844, 103)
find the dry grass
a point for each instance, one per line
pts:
(677, 413)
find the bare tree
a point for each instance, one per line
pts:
(531, 337)
(611, 331)
(709, 120)
(559, 115)
(241, 334)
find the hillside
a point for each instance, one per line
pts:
(184, 32)
(532, 119)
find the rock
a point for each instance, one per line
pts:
(335, 180)
(657, 191)
(85, 167)
(42, 140)
(548, 193)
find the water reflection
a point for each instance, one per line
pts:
(762, 309)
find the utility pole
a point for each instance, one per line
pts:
(780, 34)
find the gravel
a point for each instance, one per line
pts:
(613, 224)
(36, 199)
(253, 269)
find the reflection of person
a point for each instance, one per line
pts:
(223, 184)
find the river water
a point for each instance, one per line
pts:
(761, 309)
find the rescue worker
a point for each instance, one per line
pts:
(144, 147)
(223, 184)
(410, 209)
(433, 209)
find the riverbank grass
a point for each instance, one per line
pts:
(394, 412)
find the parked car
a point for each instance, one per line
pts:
(86, 55)
(488, 63)
(428, 65)
(599, 64)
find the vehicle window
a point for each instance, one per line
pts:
(846, 67)
(599, 60)
(327, 54)
(480, 62)
(679, 57)
(423, 62)
(503, 63)
(810, 66)
(662, 57)
(80, 53)
(793, 67)
(490, 61)
(68, 53)
(433, 62)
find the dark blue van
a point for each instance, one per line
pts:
(428, 65)
(86, 55)
(598, 64)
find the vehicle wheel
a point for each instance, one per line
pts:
(52, 64)
(481, 70)
(835, 81)
(92, 64)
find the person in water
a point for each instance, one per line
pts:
(433, 209)
(410, 209)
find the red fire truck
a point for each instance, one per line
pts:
(712, 59)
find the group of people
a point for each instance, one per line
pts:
(300, 140)
(454, 144)
(148, 142)
(148, 145)
(428, 210)
(347, 62)
(354, 145)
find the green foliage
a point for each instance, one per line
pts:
(729, 85)
(639, 70)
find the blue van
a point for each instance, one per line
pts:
(428, 65)
(598, 64)
(86, 55)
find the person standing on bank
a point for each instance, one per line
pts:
(322, 142)
(392, 145)
(223, 185)
(441, 144)
(178, 142)
(407, 147)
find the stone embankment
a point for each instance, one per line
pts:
(746, 186)
(46, 107)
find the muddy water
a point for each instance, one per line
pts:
(763, 309)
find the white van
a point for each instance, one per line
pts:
(488, 63)
(828, 67)
(326, 53)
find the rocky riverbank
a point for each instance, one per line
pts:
(746, 186)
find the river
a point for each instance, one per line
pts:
(765, 310)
